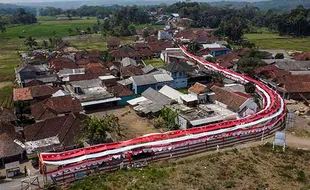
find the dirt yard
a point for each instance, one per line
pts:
(132, 125)
(301, 122)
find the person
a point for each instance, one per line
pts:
(25, 171)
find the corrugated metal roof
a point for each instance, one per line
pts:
(171, 93)
(155, 96)
(163, 77)
(135, 101)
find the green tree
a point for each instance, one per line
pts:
(2, 25)
(146, 34)
(193, 47)
(22, 107)
(70, 31)
(249, 87)
(211, 59)
(31, 42)
(279, 56)
(233, 28)
(167, 118)
(217, 77)
(88, 30)
(247, 65)
(95, 130)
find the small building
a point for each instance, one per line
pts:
(92, 94)
(228, 60)
(29, 72)
(65, 128)
(61, 63)
(9, 150)
(200, 91)
(113, 43)
(33, 93)
(178, 71)
(238, 102)
(122, 92)
(219, 51)
(54, 107)
(65, 73)
(154, 80)
(128, 62)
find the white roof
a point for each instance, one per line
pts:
(211, 46)
(175, 14)
(163, 77)
(171, 93)
(100, 101)
(107, 77)
(60, 93)
(135, 101)
(189, 98)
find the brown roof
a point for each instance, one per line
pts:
(83, 62)
(96, 68)
(205, 51)
(241, 51)
(302, 56)
(7, 145)
(113, 42)
(34, 83)
(198, 88)
(7, 115)
(61, 63)
(22, 94)
(227, 60)
(33, 92)
(94, 54)
(65, 127)
(151, 39)
(83, 77)
(130, 71)
(296, 87)
(146, 52)
(119, 90)
(231, 99)
(54, 106)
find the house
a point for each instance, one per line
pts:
(29, 72)
(128, 62)
(64, 128)
(305, 56)
(60, 63)
(96, 69)
(9, 150)
(113, 43)
(129, 71)
(228, 60)
(171, 93)
(149, 69)
(158, 46)
(238, 102)
(200, 91)
(219, 51)
(150, 103)
(92, 94)
(154, 80)
(122, 92)
(65, 73)
(125, 51)
(7, 116)
(54, 107)
(83, 62)
(33, 93)
(178, 71)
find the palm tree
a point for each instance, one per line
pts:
(30, 42)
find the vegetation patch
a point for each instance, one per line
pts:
(155, 62)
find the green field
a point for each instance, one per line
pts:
(155, 62)
(142, 26)
(274, 41)
(251, 168)
(6, 96)
(44, 29)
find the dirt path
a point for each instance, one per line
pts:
(297, 142)
(5, 83)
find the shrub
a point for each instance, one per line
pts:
(279, 56)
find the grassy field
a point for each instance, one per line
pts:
(6, 96)
(251, 168)
(274, 41)
(155, 62)
(142, 26)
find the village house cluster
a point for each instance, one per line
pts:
(57, 89)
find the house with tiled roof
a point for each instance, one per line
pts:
(178, 71)
(54, 107)
(122, 92)
(113, 43)
(60, 63)
(200, 91)
(7, 116)
(97, 69)
(84, 61)
(129, 71)
(228, 60)
(33, 93)
(238, 102)
(62, 132)
(9, 150)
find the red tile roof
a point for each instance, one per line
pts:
(302, 56)
(61, 63)
(114, 42)
(8, 147)
(83, 77)
(296, 87)
(231, 99)
(198, 88)
(96, 68)
(227, 60)
(83, 62)
(7, 115)
(130, 71)
(52, 107)
(241, 51)
(119, 90)
(22, 94)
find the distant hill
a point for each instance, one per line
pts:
(11, 9)
(282, 5)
